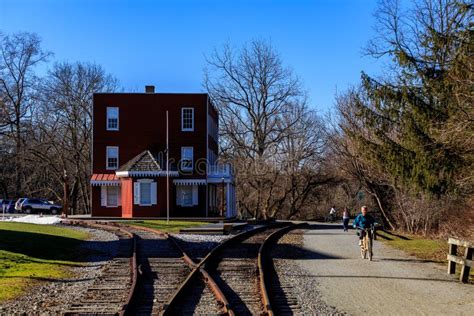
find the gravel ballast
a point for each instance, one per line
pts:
(198, 246)
(293, 282)
(55, 296)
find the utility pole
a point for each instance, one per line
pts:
(167, 172)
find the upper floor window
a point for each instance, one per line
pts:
(187, 158)
(112, 118)
(112, 157)
(187, 119)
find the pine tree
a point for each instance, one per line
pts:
(405, 117)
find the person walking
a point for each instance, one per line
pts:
(332, 214)
(345, 219)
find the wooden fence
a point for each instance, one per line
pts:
(465, 262)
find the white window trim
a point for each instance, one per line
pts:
(182, 120)
(192, 158)
(107, 158)
(107, 118)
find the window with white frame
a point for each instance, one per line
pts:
(187, 158)
(145, 192)
(110, 196)
(187, 195)
(187, 119)
(112, 118)
(112, 157)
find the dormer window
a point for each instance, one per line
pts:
(112, 118)
(187, 119)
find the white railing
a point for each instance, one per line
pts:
(219, 171)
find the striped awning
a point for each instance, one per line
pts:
(190, 181)
(109, 179)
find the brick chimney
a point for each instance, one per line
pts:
(149, 89)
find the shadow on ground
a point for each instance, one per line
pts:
(40, 246)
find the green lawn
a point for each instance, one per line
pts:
(171, 227)
(423, 248)
(434, 250)
(31, 253)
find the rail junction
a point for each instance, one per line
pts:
(156, 273)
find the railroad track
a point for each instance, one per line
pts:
(234, 272)
(153, 275)
(163, 267)
(113, 290)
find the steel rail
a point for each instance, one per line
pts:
(174, 300)
(126, 307)
(196, 270)
(265, 265)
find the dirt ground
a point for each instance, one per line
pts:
(392, 284)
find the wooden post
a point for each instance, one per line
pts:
(66, 194)
(464, 277)
(451, 264)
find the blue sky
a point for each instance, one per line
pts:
(164, 42)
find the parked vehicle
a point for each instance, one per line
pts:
(30, 206)
(18, 204)
(9, 206)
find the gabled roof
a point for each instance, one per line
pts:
(145, 161)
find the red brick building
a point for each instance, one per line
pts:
(129, 156)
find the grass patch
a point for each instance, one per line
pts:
(171, 227)
(31, 253)
(423, 248)
(434, 250)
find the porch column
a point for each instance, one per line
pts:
(234, 210)
(227, 200)
(127, 197)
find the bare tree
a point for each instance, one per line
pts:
(267, 131)
(252, 90)
(64, 131)
(20, 53)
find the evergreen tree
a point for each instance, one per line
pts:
(405, 117)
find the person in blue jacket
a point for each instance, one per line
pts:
(362, 221)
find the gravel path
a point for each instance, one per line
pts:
(55, 296)
(392, 284)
